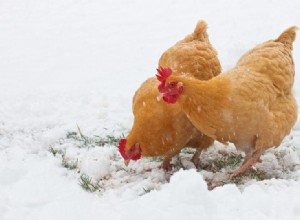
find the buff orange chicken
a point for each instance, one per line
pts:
(163, 130)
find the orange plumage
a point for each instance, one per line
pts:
(251, 105)
(160, 129)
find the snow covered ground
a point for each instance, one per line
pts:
(74, 62)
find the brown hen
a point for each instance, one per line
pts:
(251, 105)
(160, 129)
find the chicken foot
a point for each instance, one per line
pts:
(247, 164)
(166, 164)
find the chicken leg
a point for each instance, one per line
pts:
(196, 157)
(247, 164)
(200, 142)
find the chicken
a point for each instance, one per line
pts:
(251, 105)
(160, 129)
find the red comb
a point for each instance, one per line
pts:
(163, 73)
(122, 144)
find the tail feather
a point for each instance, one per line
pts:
(200, 31)
(288, 37)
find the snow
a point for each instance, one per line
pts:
(76, 62)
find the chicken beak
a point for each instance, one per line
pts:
(159, 97)
(126, 162)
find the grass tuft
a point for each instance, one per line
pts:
(86, 183)
(95, 140)
(231, 160)
(109, 139)
(71, 165)
(146, 190)
(56, 151)
(250, 174)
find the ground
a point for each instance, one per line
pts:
(68, 72)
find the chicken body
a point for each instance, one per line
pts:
(251, 105)
(161, 129)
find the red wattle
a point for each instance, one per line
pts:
(122, 144)
(170, 99)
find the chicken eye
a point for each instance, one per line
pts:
(172, 84)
